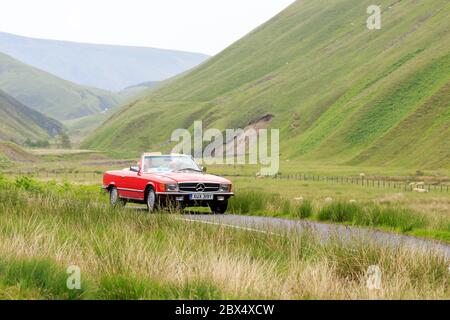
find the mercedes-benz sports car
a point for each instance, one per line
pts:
(175, 181)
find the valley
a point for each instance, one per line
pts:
(359, 122)
(338, 92)
(52, 198)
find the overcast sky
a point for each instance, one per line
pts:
(206, 26)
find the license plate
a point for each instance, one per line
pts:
(201, 196)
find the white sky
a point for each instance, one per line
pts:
(206, 26)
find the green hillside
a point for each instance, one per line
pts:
(18, 122)
(340, 93)
(135, 91)
(50, 95)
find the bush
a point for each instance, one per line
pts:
(28, 184)
(36, 144)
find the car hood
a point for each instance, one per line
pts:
(193, 177)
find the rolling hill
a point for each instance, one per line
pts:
(103, 66)
(134, 91)
(79, 128)
(18, 122)
(50, 95)
(339, 92)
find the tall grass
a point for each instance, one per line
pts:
(373, 215)
(398, 218)
(369, 214)
(129, 254)
(36, 275)
(305, 209)
(129, 287)
(339, 212)
(260, 203)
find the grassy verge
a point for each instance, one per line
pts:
(127, 254)
(393, 216)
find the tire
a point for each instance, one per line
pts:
(114, 199)
(151, 200)
(219, 207)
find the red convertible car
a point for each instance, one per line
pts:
(168, 181)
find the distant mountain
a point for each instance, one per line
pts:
(18, 122)
(147, 84)
(134, 91)
(339, 92)
(104, 66)
(50, 95)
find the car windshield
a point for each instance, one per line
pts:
(169, 163)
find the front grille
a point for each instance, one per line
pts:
(198, 186)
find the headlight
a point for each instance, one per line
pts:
(225, 188)
(169, 187)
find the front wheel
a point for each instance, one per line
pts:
(219, 207)
(151, 200)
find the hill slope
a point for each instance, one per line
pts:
(103, 66)
(339, 93)
(49, 94)
(18, 122)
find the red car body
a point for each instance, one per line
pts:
(170, 188)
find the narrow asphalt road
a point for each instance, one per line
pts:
(323, 230)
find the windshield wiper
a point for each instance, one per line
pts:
(188, 169)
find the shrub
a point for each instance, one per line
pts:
(28, 184)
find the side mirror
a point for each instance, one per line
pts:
(134, 168)
(204, 169)
(139, 167)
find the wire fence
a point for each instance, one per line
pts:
(407, 184)
(58, 174)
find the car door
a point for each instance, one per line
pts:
(131, 185)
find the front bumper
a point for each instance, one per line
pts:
(229, 194)
(184, 197)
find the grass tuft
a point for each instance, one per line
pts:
(305, 209)
(38, 274)
(339, 211)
